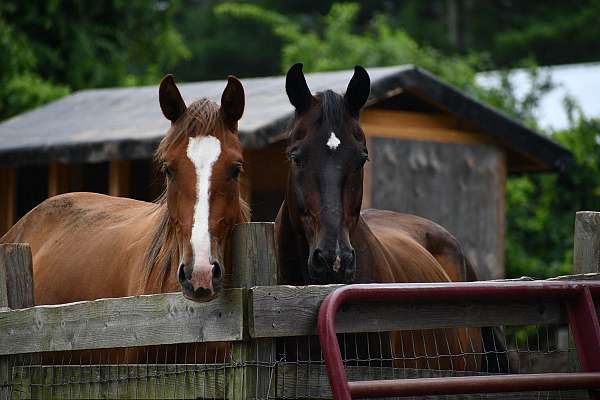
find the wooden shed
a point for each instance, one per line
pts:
(435, 151)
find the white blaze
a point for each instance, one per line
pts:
(203, 152)
(333, 141)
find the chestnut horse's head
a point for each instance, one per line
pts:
(201, 156)
(327, 150)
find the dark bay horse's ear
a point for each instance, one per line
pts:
(297, 89)
(171, 102)
(232, 101)
(358, 90)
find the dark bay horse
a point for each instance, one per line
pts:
(88, 246)
(323, 237)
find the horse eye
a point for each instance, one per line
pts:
(235, 170)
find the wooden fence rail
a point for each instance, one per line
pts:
(123, 322)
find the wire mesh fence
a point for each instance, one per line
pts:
(295, 366)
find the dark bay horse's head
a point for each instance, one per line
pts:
(327, 150)
(201, 156)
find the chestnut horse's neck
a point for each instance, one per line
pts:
(162, 255)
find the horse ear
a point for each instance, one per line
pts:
(297, 89)
(358, 90)
(232, 101)
(171, 102)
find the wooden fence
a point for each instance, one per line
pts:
(252, 316)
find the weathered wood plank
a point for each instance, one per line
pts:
(148, 381)
(123, 322)
(5, 361)
(16, 291)
(310, 381)
(16, 264)
(254, 260)
(292, 311)
(461, 187)
(255, 263)
(586, 251)
(418, 126)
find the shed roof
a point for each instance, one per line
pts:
(126, 123)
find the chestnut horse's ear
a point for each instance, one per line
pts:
(358, 90)
(297, 89)
(171, 102)
(233, 101)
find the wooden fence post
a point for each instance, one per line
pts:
(16, 291)
(254, 263)
(586, 248)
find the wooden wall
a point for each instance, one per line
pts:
(460, 186)
(433, 165)
(23, 188)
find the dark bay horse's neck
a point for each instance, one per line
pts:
(371, 257)
(292, 252)
(292, 249)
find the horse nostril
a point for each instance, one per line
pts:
(217, 273)
(181, 273)
(319, 261)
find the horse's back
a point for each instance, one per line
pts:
(394, 256)
(81, 244)
(440, 243)
(407, 241)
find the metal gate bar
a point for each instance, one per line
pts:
(583, 321)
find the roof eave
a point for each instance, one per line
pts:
(546, 154)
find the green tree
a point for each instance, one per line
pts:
(20, 86)
(341, 44)
(221, 45)
(49, 48)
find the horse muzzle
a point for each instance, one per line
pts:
(331, 267)
(201, 283)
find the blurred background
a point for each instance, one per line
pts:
(534, 60)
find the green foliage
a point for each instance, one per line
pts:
(221, 45)
(503, 96)
(339, 44)
(90, 44)
(541, 208)
(21, 87)
(49, 48)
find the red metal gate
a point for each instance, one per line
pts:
(578, 296)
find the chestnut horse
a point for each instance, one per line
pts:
(88, 246)
(322, 236)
